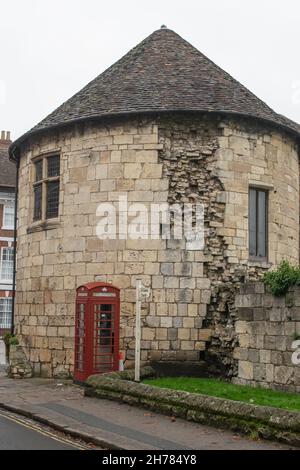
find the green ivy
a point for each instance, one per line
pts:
(282, 278)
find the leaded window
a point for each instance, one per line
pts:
(258, 223)
(46, 188)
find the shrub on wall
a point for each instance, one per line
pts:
(282, 278)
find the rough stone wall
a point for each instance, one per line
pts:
(250, 154)
(19, 366)
(189, 157)
(98, 164)
(267, 326)
(173, 159)
(214, 162)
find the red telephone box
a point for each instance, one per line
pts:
(96, 330)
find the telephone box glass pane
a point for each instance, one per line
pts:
(80, 334)
(104, 337)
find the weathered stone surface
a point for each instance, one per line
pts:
(269, 333)
(19, 366)
(175, 159)
(282, 425)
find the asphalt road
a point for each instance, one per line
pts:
(21, 434)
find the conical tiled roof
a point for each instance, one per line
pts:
(162, 73)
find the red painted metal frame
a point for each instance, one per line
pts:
(91, 295)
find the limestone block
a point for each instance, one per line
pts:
(283, 375)
(114, 171)
(78, 175)
(205, 296)
(166, 322)
(187, 345)
(265, 356)
(171, 282)
(172, 335)
(167, 269)
(100, 268)
(244, 340)
(183, 269)
(152, 170)
(134, 268)
(240, 354)
(151, 268)
(188, 283)
(132, 170)
(145, 139)
(142, 184)
(241, 327)
(101, 171)
(159, 184)
(161, 333)
(245, 370)
(161, 308)
(172, 308)
(56, 343)
(183, 295)
(270, 373)
(253, 355)
(164, 345)
(204, 334)
(157, 282)
(197, 270)
(188, 322)
(184, 333)
(193, 310)
(45, 355)
(259, 372)
(152, 321)
(123, 139)
(200, 346)
(169, 256)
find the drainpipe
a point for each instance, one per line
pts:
(14, 156)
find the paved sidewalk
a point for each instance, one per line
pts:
(110, 424)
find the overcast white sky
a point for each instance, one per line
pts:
(51, 48)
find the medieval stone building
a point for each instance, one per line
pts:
(163, 124)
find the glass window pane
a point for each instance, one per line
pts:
(261, 221)
(38, 170)
(252, 222)
(5, 313)
(37, 211)
(53, 166)
(52, 199)
(9, 216)
(7, 264)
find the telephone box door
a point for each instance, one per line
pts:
(96, 330)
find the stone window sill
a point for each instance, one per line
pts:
(44, 225)
(259, 263)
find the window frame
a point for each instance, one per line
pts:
(43, 182)
(2, 279)
(7, 313)
(5, 207)
(266, 191)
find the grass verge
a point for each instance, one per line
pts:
(223, 389)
